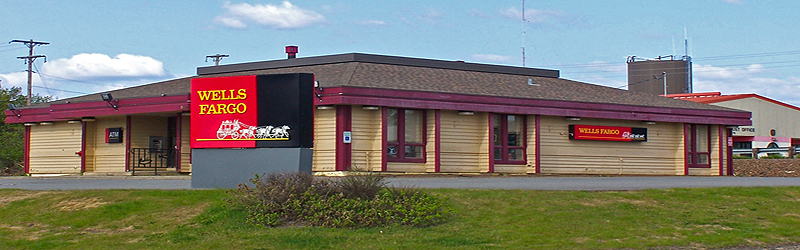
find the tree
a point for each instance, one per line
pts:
(12, 135)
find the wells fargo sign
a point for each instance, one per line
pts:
(252, 111)
(607, 133)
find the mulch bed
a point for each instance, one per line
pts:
(767, 167)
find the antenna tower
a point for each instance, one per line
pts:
(523, 33)
(29, 60)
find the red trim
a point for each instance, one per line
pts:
(437, 164)
(384, 142)
(429, 100)
(178, 124)
(722, 150)
(26, 154)
(537, 147)
(83, 146)
(66, 111)
(525, 139)
(729, 133)
(687, 134)
(127, 143)
(491, 143)
(715, 97)
(401, 141)
(344, 151)
(503, 136)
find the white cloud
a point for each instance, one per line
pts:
(493, 58)
(720, 73)
(284, 16)
(100, 66)
(430, 16)
(745, 80)
(89, 73)
(533, 15)
(372, 23)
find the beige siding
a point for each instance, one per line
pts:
(109, 157)
(91, 143)
(464, 141)
(660, 155)
(143, 127)
(430, 149)
(186, 149)
(531, 150)
(53, 148)
(366, 139)
(324, 140)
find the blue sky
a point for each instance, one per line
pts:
(738, 46)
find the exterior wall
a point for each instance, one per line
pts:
(410, 167)
(324, 140)
(662, 154)
(767, 116)
(53, 148)
(91, 142)
(464, 141)
(716, 159)
(366, 139)
(143, 127)
(186, 141)
(430, 149)
(530, 152)
(108, 157)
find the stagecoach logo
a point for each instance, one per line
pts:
(236, 130)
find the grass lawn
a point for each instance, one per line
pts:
(481, 219)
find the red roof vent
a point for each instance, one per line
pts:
(291, 51)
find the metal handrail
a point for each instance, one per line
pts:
(152, 158)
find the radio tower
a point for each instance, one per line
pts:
(523, 33)
(29, 60)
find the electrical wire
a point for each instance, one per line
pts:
(42, 79)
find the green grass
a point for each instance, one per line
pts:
(481, 219)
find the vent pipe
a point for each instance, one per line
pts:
(291, 51)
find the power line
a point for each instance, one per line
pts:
(42, 78)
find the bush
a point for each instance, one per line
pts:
(773, 156)
(348, 202)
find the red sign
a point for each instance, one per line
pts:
(224, 112)
(607, 133)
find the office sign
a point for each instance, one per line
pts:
(607, 133)
(252, 111)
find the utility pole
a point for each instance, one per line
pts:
(29, 60)
(216, 58)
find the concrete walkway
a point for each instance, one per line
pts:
(476, 182)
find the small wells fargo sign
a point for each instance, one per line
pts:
(607, 133)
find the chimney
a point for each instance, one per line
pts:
(291, 51)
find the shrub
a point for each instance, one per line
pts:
(350, 202)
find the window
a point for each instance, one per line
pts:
(699, 147)
(405, 135)
(508, 139)
(743, 145)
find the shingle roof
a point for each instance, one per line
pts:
(397, 73)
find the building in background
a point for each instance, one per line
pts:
(648, 75)
(775, 124)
